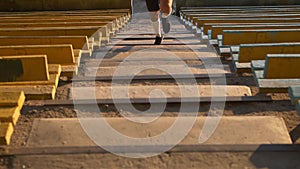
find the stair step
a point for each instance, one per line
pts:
(230, 130)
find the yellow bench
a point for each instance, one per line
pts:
(187, 12)
(237, 37)
(11, 113)
(201, 21)
(280, 72)
(218, 30)
(112, 22)
(80, 44)
(75, 12)
(250, 52)
(26, 70)
(104, 27)
(282, 66)
(188, 16)
(11, 104)
(12, 99)
(56, 54)
(208, 26)
(6, 131)
(247, 16)
(29, 74)
(54, 31)
(23, 68)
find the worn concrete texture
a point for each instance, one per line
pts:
(231, 130)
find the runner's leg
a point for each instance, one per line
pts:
(153, 7)
(166, 9)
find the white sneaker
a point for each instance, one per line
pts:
(166, 25)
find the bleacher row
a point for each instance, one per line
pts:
(37, 48)
(264, 40)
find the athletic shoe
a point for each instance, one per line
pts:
(166, 25)
(158, 40)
